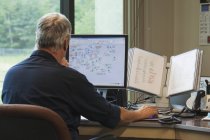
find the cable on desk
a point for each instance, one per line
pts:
(175, 117)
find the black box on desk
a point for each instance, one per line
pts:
(115, 96)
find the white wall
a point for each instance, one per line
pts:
(158, 26)
(172, 27)
(187, 30)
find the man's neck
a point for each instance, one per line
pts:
(54, 53)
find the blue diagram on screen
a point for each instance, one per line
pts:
(100, 59)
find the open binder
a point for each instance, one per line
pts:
(150, 72)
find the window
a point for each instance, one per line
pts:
(18, 20)
(17, 28)
(98, 16)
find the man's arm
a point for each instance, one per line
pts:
(144, 112)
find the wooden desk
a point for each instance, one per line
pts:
(190, 129)
(193, 129)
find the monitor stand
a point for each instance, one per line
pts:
(115, 96)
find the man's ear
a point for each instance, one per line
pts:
(65, 47)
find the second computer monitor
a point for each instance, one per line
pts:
(101, 58)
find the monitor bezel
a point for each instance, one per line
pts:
(106, 36)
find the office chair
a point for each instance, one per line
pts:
(31, 122)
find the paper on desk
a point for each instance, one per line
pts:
(83, 118)
(207, 118)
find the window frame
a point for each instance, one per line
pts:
(68, 9)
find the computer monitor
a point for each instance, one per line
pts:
(101, 58)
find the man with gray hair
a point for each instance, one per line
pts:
(42, 79)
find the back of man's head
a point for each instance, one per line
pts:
(51, 30)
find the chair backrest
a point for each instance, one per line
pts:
(31, 122)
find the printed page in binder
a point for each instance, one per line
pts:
(145, 71)
(184, 72)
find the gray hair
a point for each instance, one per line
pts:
(51, 30)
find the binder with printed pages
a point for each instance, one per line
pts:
(150, 72)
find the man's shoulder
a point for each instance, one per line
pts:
(73, 72)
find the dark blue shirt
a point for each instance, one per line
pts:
(41, 80)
